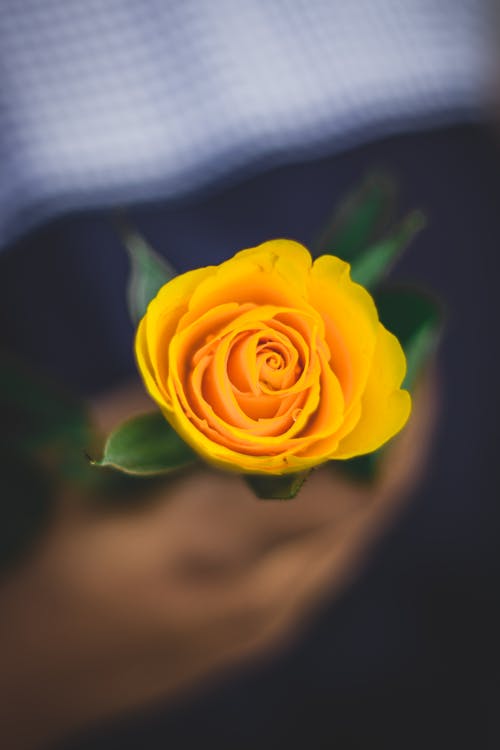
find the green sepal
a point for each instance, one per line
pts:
(360, 220)
(416, 319)
(146, 446)
(148, 272)
(372, 264)
(283, 487)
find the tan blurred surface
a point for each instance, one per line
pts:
(118, 608)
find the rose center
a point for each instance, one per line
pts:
(275, 360)
(273, 364)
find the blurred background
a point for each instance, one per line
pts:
(219, 125)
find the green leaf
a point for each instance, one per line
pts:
(283, 487)
(416, 319)
(372, 264)
(360, 220)
(149, 271)
(146, 445)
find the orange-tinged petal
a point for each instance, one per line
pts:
(264, 406)
(323, 449)
(330, 412)
(242, 364)
(192, 343)
(219, 407)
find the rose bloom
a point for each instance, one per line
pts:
(270, 363)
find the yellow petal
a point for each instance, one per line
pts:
(384, 407)
(154, 388)
(260, 275)
(158, 326)
(351, 322)
(286, 258)
(178, 291)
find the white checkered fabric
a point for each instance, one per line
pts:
(110, 101)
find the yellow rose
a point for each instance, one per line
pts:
(270, 363)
